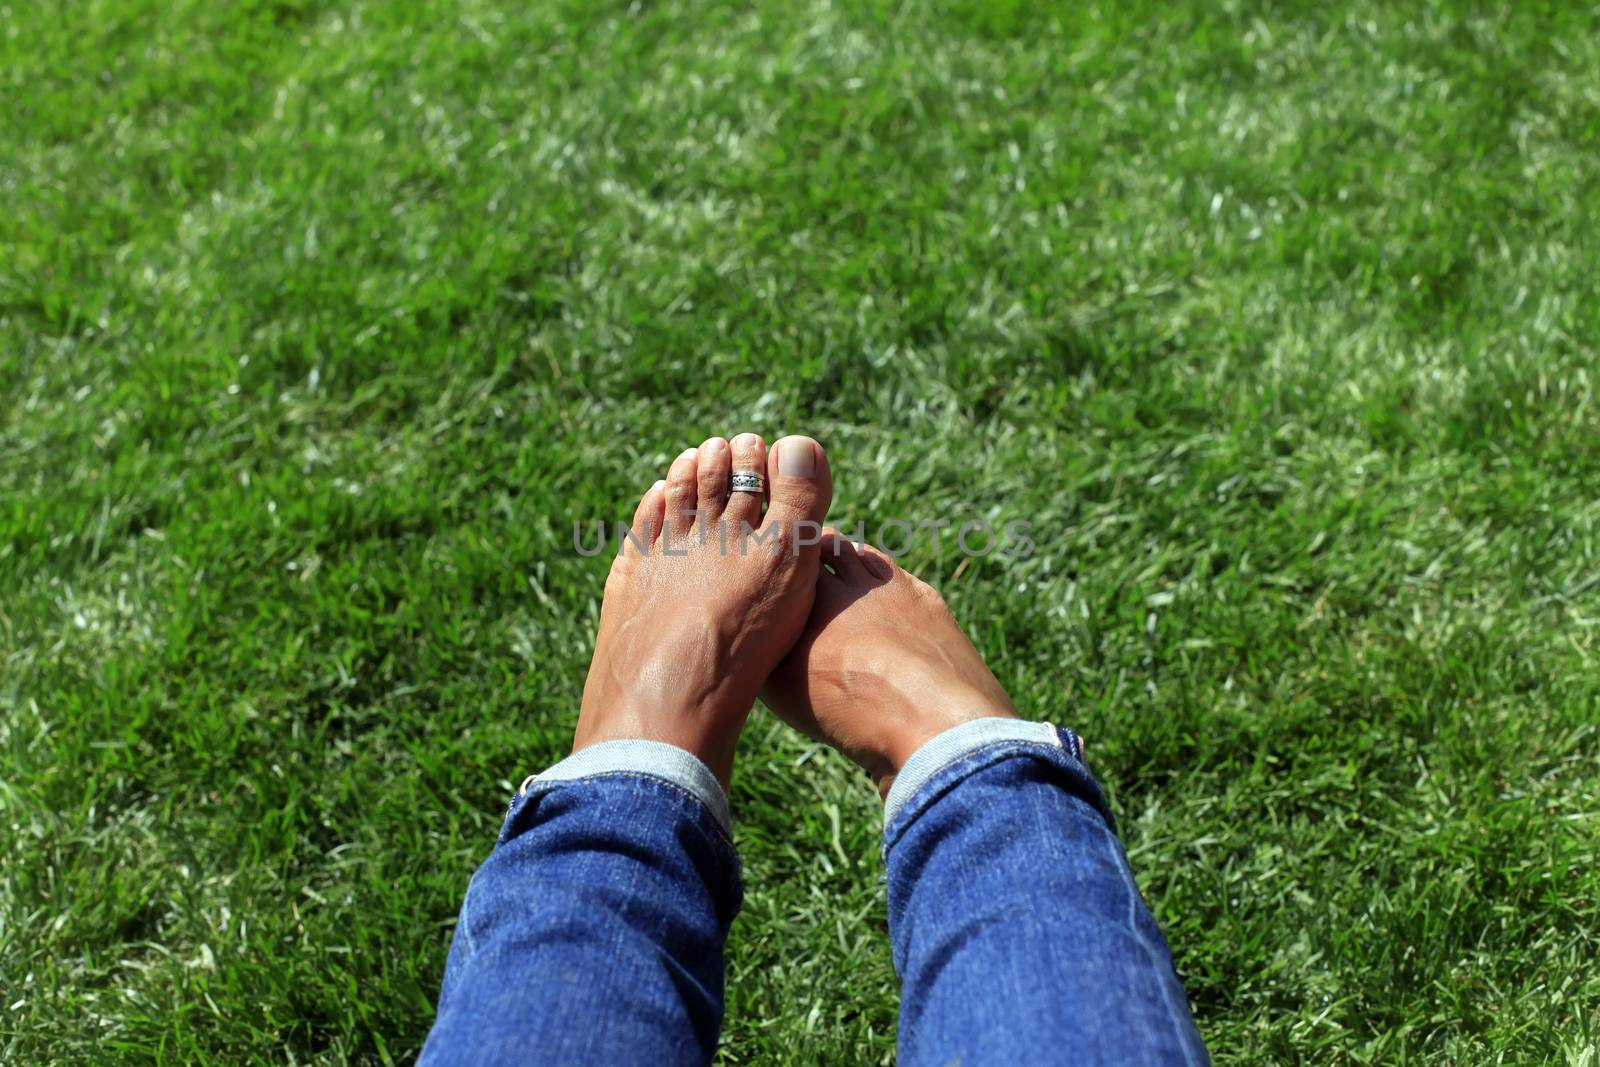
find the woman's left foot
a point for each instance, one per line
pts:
(882, 667)
(706, 597)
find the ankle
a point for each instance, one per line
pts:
(884, 764)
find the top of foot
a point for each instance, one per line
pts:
(882, 666)
(706, 595)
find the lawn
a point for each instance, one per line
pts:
(322, 322)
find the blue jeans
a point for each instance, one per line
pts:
(594, 932)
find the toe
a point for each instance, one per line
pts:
(647, 518)
(801, 487)
(715, 464)
(749, 454)
(875, 561)
(683, 494)
(839, 552)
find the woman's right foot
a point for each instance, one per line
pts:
(882, 666)
(697, 610)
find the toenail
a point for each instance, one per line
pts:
(661, 483)
(797, 459)
(745, 440)
(715, 446)
(688, 453)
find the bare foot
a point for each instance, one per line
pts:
(696, 615)
(882, 665)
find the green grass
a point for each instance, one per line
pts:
(320, 323)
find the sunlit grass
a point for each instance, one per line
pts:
(321, 323)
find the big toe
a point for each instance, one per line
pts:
(801, 486)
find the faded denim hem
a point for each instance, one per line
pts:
(653, 759)
(949, 758)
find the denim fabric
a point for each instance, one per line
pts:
(941, 750)
(654, 758)
(1017, 930)
(594, 932)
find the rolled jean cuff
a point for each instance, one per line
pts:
(636, 756)
(934, 764)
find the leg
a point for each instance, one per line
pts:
(594, 931)
(1018, 932)
(1010, 899)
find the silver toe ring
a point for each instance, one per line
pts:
(748, 482)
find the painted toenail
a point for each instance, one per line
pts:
(797, 459)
